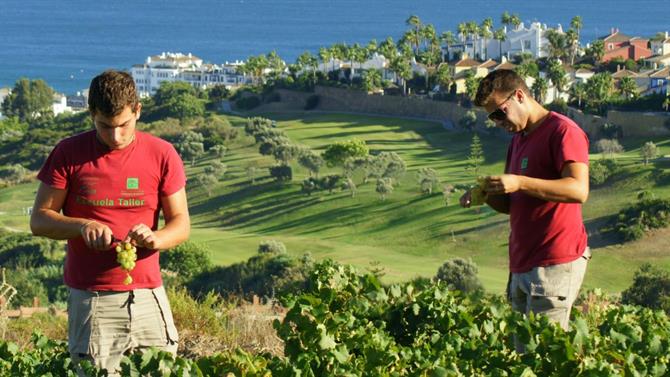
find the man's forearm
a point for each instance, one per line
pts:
(563, 190)
(54, 225)
(175, 231)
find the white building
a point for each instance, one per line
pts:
(172, 67)
(59, 104)
(518, 40)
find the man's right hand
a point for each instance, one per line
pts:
(97, 236)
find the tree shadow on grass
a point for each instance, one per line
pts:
(597, 237)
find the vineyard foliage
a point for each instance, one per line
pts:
(348, 324)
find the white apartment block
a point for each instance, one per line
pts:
(172, 67)
(518, 40)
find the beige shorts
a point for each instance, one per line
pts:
(103, 325)
(549, 290)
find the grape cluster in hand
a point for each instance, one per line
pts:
(126, 255)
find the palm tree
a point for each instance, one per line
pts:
(388, 48)
(473, 31)
(578, 92)
(448, 39)
(339, 52)
(443, 77)
(557, 45)
(628, 88)
(256, 66)
(371, 48)
(462, 30)
(556, 74)
(500, 36)
(326, 55)
(360, 55)
(485, 31)
(539, 89)
(428, 35)
(576, 25)
(400, 66)
(573, 45)
(276, 65)
(307, 61)
(599, 90)
(596, 51)
(506, 19)
(415, 22)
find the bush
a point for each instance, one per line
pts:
(271, 247)
(281, 173)
(634, 221)
(248, 103)
(601, 170)
(266, 274)
(13, 174)
(559, 105)
(312, 102)
(187, 259)
(22, 250)
(460, 274)
(650, 288)
(27, 287)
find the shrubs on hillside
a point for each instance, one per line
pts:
(460, 274)
(272, 273)
(186, 260)
(650, 288)
(633, 221)
(601, 170)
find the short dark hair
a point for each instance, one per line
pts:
(110, 92)
(502, 81)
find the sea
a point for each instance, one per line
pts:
(67, 42)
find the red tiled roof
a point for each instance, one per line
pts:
(662, 73)
(489, 64)
(616, 38)
(467, 63)
(623, 73)
(506, 65)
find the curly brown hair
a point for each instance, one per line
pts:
(501, 81)
(110, 92)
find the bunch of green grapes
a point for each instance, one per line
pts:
(478, 194)
(126, 255)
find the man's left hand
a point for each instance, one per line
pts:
(142, 236)
(503, 184)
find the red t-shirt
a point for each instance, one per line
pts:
(545, 233)
(118, 188)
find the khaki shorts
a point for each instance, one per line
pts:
(103, 325)
(549, 290)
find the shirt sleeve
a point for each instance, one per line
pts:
(55, 172)
(173, 177)
(573, 146)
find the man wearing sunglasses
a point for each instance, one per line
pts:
(546, 180)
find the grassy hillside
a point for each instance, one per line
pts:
(409, 234)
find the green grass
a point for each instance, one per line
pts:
(409, 234)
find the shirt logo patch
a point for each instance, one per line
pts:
(524, 163)
(133, 183)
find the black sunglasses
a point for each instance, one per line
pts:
(499, 115)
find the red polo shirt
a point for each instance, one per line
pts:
(545, 233)
(118, 188)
